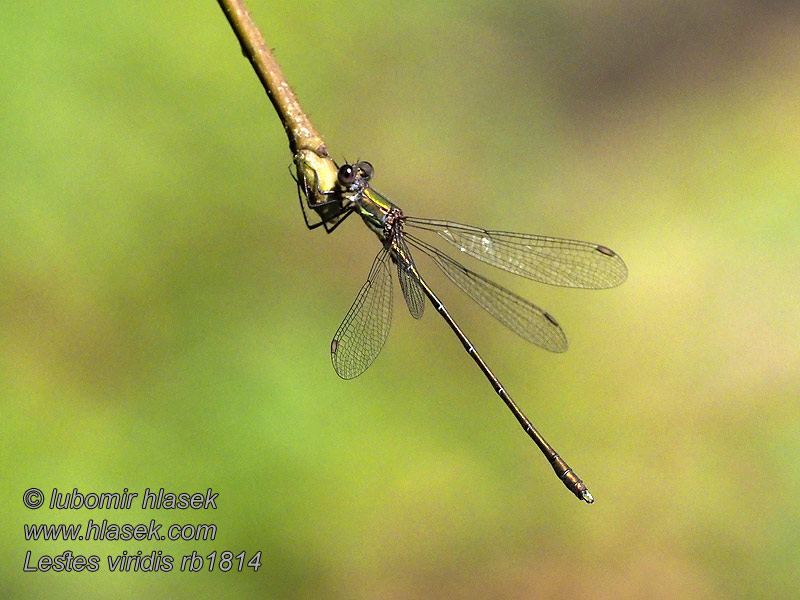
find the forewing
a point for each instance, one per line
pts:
(555, 261)
(365, 328)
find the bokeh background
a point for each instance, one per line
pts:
(165, 316)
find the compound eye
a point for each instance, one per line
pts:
(346, 175)
(366, 169)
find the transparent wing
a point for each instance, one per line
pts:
(365, 328)
(555, 261)
(520, 316)
(412, 292)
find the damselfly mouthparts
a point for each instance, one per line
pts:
(364, 330)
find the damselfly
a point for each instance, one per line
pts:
(364, 330)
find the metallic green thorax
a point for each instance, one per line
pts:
(373, 208)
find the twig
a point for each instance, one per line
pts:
(301, 133)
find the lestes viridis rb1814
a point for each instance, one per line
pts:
(363, 332)
(331, 193)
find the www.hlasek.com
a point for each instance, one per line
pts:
(104, 530)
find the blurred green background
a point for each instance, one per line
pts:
(165, 316)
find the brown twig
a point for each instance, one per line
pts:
(301, 133)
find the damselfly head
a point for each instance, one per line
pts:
(356, 176)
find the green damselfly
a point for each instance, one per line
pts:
(364, 330)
